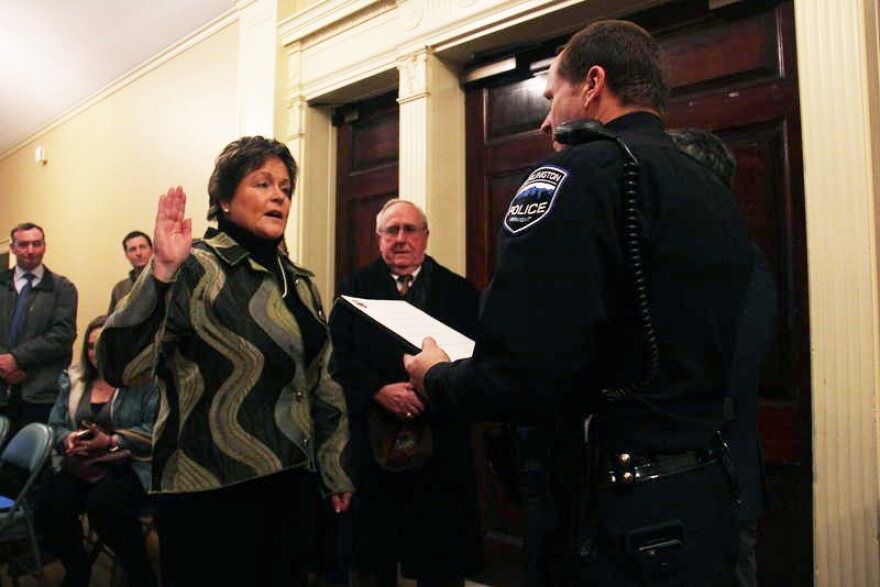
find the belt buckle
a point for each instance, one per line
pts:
(623, 470)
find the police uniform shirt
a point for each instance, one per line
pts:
(558, 323)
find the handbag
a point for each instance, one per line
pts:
(399, 445)
(94, 467)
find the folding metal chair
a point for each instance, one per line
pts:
(28, 451)
(5, 427)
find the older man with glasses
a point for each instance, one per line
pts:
(421, 514)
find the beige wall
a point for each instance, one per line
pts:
(108, 164)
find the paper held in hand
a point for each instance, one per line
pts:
(411, 325)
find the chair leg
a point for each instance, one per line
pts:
(35, 547)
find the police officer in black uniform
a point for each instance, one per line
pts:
(613, 315)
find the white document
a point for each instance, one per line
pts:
(412, 325)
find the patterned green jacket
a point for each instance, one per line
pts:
(237, 400)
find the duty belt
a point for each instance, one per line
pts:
(622, 469)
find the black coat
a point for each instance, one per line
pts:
(756, 332)
(428, 519)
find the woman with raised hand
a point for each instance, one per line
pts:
(250, 425)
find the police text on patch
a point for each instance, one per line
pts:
(534, 199)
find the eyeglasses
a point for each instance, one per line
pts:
(408, 230)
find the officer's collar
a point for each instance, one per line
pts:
(635, 120)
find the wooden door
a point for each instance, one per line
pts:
(366, 177)
(734, 72)
(738, 78)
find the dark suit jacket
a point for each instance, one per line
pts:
(435, 535)
(122, 288)
(45, 345)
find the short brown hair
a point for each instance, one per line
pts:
(25, 226)
(630, 56)
(239, 158)
(135, 234)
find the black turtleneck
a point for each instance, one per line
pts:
(265, 252)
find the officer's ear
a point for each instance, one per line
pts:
(593, 85)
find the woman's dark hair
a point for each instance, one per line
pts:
(237, 160)
(631, 58)
(90, 373)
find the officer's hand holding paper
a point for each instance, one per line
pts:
(416, 366)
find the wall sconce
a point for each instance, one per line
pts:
(40, 156)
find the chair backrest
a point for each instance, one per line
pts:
(5, 427)
(29, 448)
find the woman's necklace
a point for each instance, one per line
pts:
(283, 277)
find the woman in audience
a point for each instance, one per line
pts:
(240, 346)
(92, 417)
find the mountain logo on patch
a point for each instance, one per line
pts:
(534, 199)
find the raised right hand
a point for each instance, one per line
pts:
(172, 237)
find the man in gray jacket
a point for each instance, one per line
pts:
(37, 329)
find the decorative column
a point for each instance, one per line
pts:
(432, 150)
(310, 137)
(837, 45)
(257, 51)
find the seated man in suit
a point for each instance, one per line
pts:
(425, 518)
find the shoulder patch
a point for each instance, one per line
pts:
(534, 199)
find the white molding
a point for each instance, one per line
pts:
(348, 28)
(227, 18)
(498, 18)
(321, 15)
(355, 72)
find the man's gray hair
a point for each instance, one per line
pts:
(422, 216)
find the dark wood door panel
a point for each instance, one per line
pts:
(724, 54)
(743, 105)
(360, 240)
(518, 152)
(367, 176)
(515, 108)
(374, 142)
